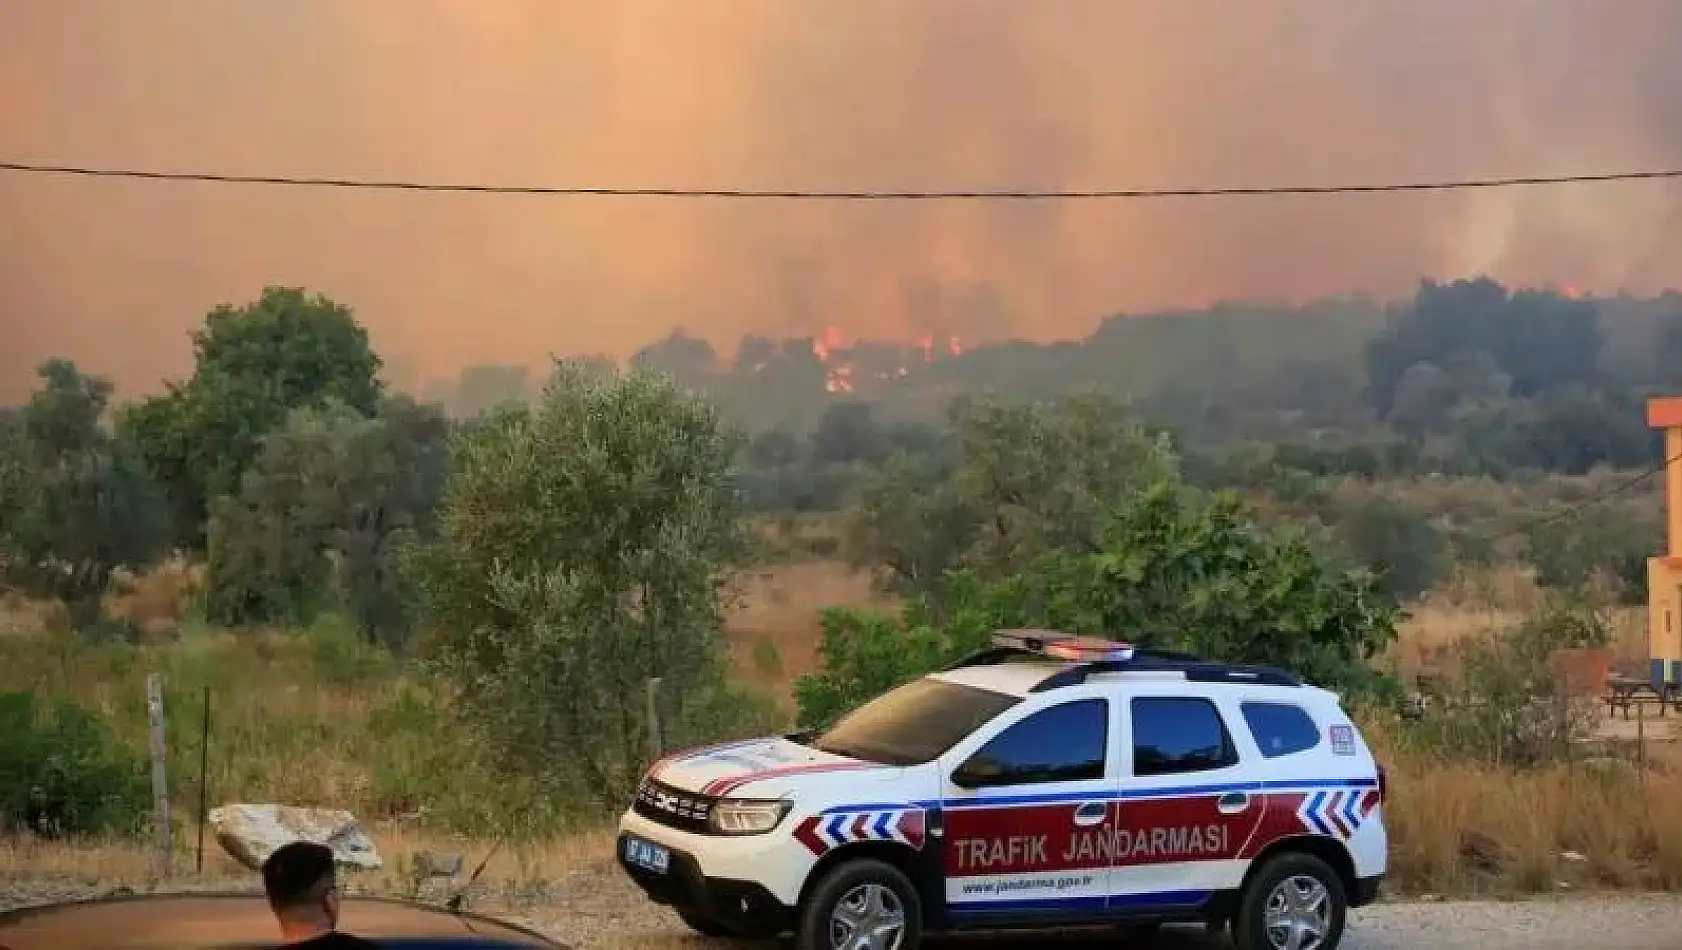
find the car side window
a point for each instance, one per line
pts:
(1062, 743)
(1178, 734)
(1280, 728)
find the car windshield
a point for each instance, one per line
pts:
(913, 724)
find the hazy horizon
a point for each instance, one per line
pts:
(874, 94)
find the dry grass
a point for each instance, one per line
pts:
(157, 601)
(1458, 827)
(773, 631)
(311, 722)
(1475, 603)
(545, 859)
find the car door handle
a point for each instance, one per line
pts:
(1091, 813)
(1232, 803)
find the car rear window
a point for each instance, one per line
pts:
(1173, 735)
(1280, 728)
(913, 724)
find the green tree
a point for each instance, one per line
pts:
(848, 433)
(75, 502)
(1538, 340)
(1596, 556)
(1028, 478)
(253, 365)
(322, 514)
(583, 547)
(1169, 570)
(1400, 544)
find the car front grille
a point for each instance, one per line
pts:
(673, 807)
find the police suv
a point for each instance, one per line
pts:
(1049, 781)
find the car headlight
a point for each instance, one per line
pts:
(747, 816)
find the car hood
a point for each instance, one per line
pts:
(755, 766)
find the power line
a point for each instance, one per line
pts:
(803, 195)
(1633, 481)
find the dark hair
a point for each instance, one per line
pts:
(296, 873)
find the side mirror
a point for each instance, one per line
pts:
(979, 772)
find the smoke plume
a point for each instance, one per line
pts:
(884, 94)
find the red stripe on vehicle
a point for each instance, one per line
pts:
(725, 786)
(861, 826)
(1033, 838)
(912, 828)
(1278, 820)
(1339, 823)
(807, 834)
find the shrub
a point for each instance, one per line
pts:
(1508, 708)
(63, 773)
(1397, 542)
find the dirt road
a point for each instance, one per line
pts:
(599, 909)
(1625, 923)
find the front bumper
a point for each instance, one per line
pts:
(743, 906)
(1366, 890)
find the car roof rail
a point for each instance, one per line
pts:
(1095, 656)
(1195, 671)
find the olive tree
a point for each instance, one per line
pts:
(75, 501)
(583, 545)
(321, 515)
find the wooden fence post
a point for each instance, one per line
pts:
(160, 781)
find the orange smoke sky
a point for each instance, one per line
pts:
(891, 94)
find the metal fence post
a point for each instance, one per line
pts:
(204, 780)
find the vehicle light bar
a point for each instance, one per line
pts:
(1064, 646)
(1090, 650)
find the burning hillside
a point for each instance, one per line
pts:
(863, 363)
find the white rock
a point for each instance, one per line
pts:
(250, 833)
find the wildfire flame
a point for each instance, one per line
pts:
(839, 368)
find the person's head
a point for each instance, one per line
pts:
(299, 881)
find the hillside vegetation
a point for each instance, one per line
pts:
(445, 622)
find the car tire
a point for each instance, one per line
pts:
(868, 887)
(703, 925)
(1300, 887)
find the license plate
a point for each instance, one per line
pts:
(647, 855)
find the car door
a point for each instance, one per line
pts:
(1188, 803)
(1027, 811)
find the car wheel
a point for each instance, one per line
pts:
(705, 926)
(1293, 902)
(861, 905)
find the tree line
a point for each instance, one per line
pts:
(557, 550)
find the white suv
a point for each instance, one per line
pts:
(1052, 780)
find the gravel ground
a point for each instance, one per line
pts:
(593, 909)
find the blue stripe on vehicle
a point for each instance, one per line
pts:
(881, 826)
(1098, 903)
(1349, 802)
(1118, 795)
(1314, 813)
(835, 826)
